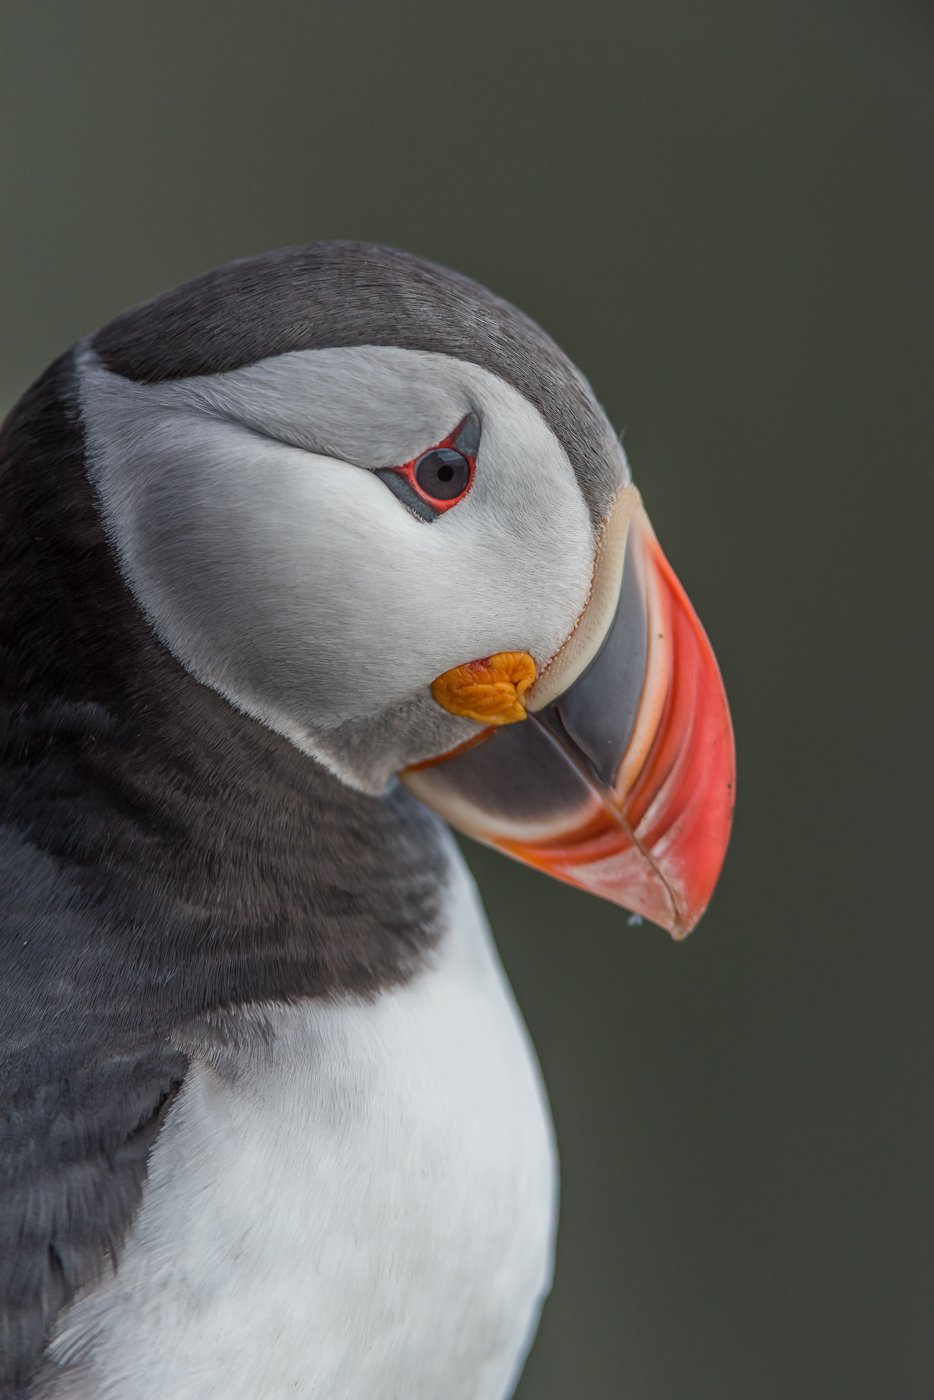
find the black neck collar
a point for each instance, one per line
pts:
(218, 864)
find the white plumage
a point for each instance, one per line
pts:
(363, 1206)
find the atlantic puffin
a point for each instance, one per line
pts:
(301, 564)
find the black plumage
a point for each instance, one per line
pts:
(163, 858)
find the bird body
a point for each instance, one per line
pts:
(271, 1123)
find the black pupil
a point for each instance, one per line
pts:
(443, 473)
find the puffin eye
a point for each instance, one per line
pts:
(443, 474)
(436, 480)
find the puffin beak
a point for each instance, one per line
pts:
(621, 778)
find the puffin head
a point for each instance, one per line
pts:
(377, 509)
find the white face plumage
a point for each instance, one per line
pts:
(279, 569)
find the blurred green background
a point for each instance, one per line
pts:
(720, 210)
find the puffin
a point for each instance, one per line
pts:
(302, 565)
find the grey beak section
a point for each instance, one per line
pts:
(597, 713)
(527, 776)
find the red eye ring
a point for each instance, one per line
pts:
(441, 476)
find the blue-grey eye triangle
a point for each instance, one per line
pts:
(401, 488)
(468, 438)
